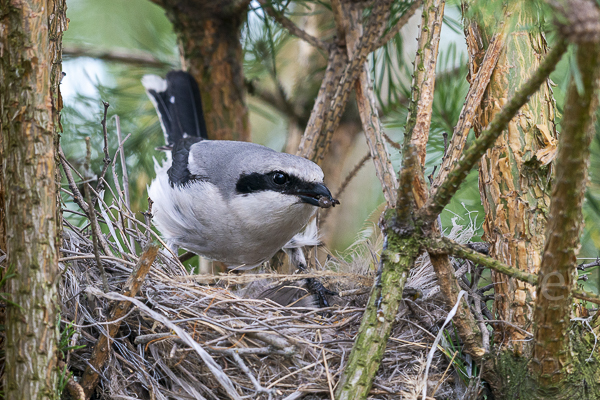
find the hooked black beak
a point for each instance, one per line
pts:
(318, 195)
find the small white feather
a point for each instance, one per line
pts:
(308, 237)
(154, 82)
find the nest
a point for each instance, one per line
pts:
(205, 337)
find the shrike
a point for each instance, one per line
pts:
(234, 202)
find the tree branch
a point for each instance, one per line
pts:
(367, 108)
(320, 140)
(101, 350)
(471, 156)
(445, 245)
(558, 271)
(472, 104)
(117, 55)
(293, 28)
(383, 40)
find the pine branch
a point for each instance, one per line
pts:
(336, 64)
(367, 108)
(292, 28)
(320, 140)
(472, 104)
(398, 256)
(419, 112)
(471, 156)
(444, 245)
(422, 91)
(382, 41)
(558, 271)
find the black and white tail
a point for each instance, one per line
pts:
(177, 102)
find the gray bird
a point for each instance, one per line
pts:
(234, 202)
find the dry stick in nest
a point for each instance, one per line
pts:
(90, 378)
(125, 176)
(106, 160)
(96, 233)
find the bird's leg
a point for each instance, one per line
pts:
(313, 285)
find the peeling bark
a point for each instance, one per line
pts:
(514, 175)
(30, 70)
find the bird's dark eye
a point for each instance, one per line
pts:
(280, 178)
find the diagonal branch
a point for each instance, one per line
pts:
(383, 40)
(320, 140)
(367, 108)
(336, 64)
(471, 156)
(101, 351)
(422, 91)
(293, 28)
(472, 103)
(444, 245)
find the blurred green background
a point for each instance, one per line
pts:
(140, 28)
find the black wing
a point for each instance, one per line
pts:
(179, 174)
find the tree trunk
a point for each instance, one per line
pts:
(514, 175)
(30, 71)
(209, 35)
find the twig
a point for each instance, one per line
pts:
(96, 233)
(351, 175)
(121, 56)
(436, 203)
(293, 28)
(583, 267)
(101, 349)
(329, 378)
(77, 197)
(472, 104)
(148, 219)
(125, 175)
(257, 386)
(388, 139)
(451, 314)
(276, 100)
(444, 374)
(106, 160)
(382, 41)
(447, 246)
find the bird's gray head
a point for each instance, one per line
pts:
(247, 169)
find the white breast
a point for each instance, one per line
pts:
(244, 230)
